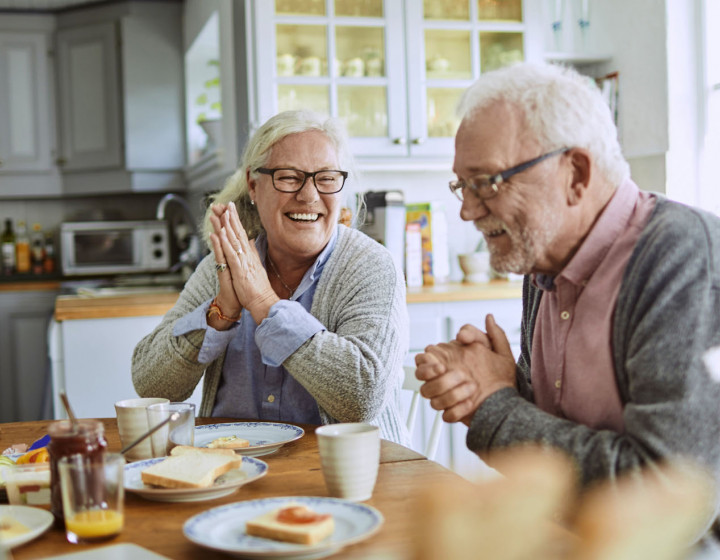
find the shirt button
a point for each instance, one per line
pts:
(558, 383)
(565, 315)
(271, 398)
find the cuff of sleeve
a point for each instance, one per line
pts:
(214, 342)
(284, 330)
(489, 417)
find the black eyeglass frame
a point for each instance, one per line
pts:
(457, 186)
(307, 174)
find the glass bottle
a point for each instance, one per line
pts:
(49, 260)
(8, 249)
(86, 438)
(22, 250)
(37, 250)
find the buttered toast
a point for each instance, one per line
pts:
(293, 523)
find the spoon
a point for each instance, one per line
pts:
(69, 410)
(174, 416)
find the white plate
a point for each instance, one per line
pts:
(120, 551)
(223, 528)
(251, 469)
(264, 437)
(36, 519)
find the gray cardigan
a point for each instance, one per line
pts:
(667, 315)
(353, 369)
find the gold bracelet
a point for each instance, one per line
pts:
(214, 309)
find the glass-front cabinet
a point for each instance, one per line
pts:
(393, 71)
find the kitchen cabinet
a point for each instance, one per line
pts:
(121, 98)
(91, 361)
(27, 165)
(439, 321)
(392, 71)
(24, 371)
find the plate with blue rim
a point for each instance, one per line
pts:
(264, 437)
(223, 528)
(250, 469)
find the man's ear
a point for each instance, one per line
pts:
(581, 171)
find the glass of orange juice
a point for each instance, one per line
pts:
(92, 496)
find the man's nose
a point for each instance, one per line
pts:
(473, 208)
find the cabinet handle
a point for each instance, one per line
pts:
(1, 163)
(401, 141)
(60, 161)
(418, 141)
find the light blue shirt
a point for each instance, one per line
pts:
(254, 383)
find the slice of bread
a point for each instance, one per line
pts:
(186, 449)
(268, 526)
(229, 442)
(191, 470)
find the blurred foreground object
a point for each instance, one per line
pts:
(505, 518)
(523, 514)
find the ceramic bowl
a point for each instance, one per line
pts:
(475, 267)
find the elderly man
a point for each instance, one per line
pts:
(621, 297)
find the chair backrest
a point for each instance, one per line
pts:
(412, 384)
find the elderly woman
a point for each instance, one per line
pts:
(292, 317)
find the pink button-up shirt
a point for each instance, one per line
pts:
(572, 371)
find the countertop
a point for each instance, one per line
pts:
(69, 307)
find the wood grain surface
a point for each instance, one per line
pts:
(294, 470)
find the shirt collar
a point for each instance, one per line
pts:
(313, 272)
(607, 228)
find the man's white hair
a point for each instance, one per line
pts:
(561, 108)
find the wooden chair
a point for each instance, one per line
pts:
(412, 384)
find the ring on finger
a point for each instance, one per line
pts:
(219, 267)
(238, 252)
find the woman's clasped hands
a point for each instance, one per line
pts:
(243, 280)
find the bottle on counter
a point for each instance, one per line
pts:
(37, 250)
(49, 259)
(22, 249)
(8, 249)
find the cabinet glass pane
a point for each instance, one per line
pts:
(441, 111)
(364, 110)
(359, 8)
(301, 50)
(447, 54)
(446, 9)
(504, 10)
(360, 51)
(500, 49)
(300, 7)
(315, 98)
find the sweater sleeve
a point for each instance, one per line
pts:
(353, 368)
(165, 364)
(666, 317)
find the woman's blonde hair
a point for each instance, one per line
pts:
(257, 153)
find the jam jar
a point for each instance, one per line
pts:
(86, 438)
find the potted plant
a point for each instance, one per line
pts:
(210, 108)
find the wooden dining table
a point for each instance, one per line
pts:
(293, 470)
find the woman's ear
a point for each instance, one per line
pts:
(581, 172)
(250, 183)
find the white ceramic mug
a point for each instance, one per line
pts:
(132, 423)
(350, 456)
(355, 67)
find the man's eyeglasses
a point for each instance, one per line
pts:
(287, 180)
(487, 186)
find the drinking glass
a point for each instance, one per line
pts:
(180, 431)
(92, 496)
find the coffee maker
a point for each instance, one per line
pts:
(385, 221)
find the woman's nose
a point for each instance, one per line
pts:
(308, 192)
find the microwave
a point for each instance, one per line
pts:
(117, 247)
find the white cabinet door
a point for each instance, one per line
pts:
(90, 118)
(24, 103)
(92, 360)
